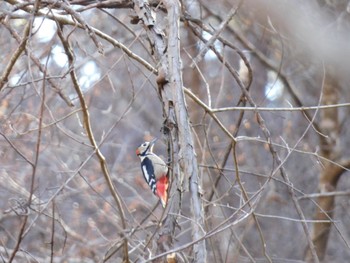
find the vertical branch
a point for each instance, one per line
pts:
(52, 231)
(20, 49)
(88, 128)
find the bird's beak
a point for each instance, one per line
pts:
(151, 143)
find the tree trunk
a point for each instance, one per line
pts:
(331, 172)
(176, 124)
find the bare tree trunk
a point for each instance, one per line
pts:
(187, 157)
(331, 172)
(176, 125)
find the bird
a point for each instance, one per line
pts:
(154, 170)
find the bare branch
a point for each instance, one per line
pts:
(303, 109)
(87, 125)
(20, 49)
(211, 41)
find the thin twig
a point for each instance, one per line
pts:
(246, 198)
(317, 195)
(52, 232)
(267, 136)
(303, 109)
(211, 41)
(37, 62)
(65, 20)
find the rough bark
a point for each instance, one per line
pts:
(176, 128)
(187, 157)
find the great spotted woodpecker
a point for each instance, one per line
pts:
(154, 170)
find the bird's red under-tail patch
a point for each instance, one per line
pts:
(162, 189)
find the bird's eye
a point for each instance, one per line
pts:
(144, 145)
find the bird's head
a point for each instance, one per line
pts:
(145, 147)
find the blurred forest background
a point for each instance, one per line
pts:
(266, 85)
